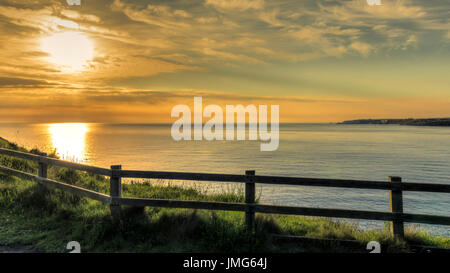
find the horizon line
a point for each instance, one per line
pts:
(203, 123)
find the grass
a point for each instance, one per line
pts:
(47, 221)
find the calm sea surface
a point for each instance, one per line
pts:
(372, 152)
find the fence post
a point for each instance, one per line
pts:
(115, 192)
(42, 172)
(396, 207)
(250, 200)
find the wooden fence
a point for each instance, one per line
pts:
(394, 185)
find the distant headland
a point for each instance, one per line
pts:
(409, 121)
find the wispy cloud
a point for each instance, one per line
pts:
(240, 5)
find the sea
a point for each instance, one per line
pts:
(363, 152)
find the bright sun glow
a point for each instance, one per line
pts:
(69, 140)
(71, 51)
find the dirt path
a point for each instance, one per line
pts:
(16, 249)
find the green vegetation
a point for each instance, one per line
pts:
(47, 221)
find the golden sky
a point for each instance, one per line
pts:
(133, 60)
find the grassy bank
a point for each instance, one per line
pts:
(48, 221)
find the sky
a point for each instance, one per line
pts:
(134, 60)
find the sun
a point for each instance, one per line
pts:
(70, 51)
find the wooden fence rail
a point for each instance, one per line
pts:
(394, 185)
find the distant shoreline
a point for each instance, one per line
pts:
(444, 122)
(409, 121)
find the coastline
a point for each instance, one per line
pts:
(440, 122)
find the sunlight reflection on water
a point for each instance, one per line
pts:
(69, 140)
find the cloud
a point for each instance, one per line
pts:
(358, 11)
(9, 82)
(363, 48)
(304, 31)
(157, 15)
(121, 105)
(42, 19)
(270, 17)
(240, 5)
(231, 56)
(125, 105)
(72, 14)
(329, 41)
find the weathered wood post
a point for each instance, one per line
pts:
(115, 192)
(250, 200)
(42, 172)
(396, 206)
